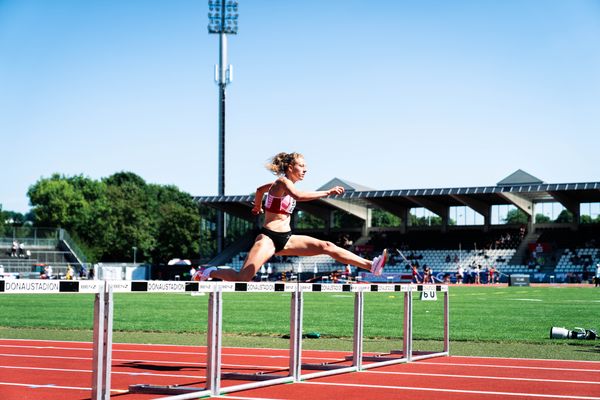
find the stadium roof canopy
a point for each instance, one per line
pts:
(520, 189)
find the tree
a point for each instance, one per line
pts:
(516, 216)
(129, 222)
(110, 217)
(307, 220)
(56, 202)
(433, 220)
(384, 219)
(565, 216)
(347, 220)
(541, 219)
(77, 204)
(178, 235)
(588, 219)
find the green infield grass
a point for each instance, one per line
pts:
(484, 321)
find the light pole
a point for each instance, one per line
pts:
(222, 20)
(134, 254)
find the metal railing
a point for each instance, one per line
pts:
(38, 240)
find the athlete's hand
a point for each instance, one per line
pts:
(336, 190)
(257, 210)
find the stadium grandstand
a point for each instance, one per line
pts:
(522, 225)
(29, 252)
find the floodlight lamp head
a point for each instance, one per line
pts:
(223, 16)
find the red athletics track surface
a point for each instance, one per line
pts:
(52, 370)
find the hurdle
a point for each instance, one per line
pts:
(357, 356)
(102, 329)
(214, 345)
(103, 317)
(431, 292)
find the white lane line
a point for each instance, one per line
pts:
(50, 386)
(529, 359)
(89, 371)
(480, 392)
(225, 354)
(229, 396)
(508, 366)
(273, 368)
(481, 377)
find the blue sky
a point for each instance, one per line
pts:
(388, 94)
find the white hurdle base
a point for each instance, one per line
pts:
(168, 389)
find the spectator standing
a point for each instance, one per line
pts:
(460, 273)
(427, 278)
(70, 273)
(415, 274)
(477, 270)
(22, 249)
(491, 274)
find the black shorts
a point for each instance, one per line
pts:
(279, 238)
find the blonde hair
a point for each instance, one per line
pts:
(280, 163)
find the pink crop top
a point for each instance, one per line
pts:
(280, 205)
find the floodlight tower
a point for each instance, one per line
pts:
(222, 20)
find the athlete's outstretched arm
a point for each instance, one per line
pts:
(308, 196)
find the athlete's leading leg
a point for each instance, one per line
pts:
(302, 245)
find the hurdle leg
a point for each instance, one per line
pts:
(97, 367)
(102, 357)
(214, 345)
(357, 350)
(296, 334)
(446, 323)
(108, 339)
(408, 323)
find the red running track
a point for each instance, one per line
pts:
(53, 370)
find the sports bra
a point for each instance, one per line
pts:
(280, 205)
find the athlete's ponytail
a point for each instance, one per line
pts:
(280, 163)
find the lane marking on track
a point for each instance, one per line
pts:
(308, 358)
(229, 396)
(529, 359)
(170, 352)
(510, 366)
(482, 377)
(89, 371)
(552, 396)
(159, 345)
(30, 386)
(273, 368)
